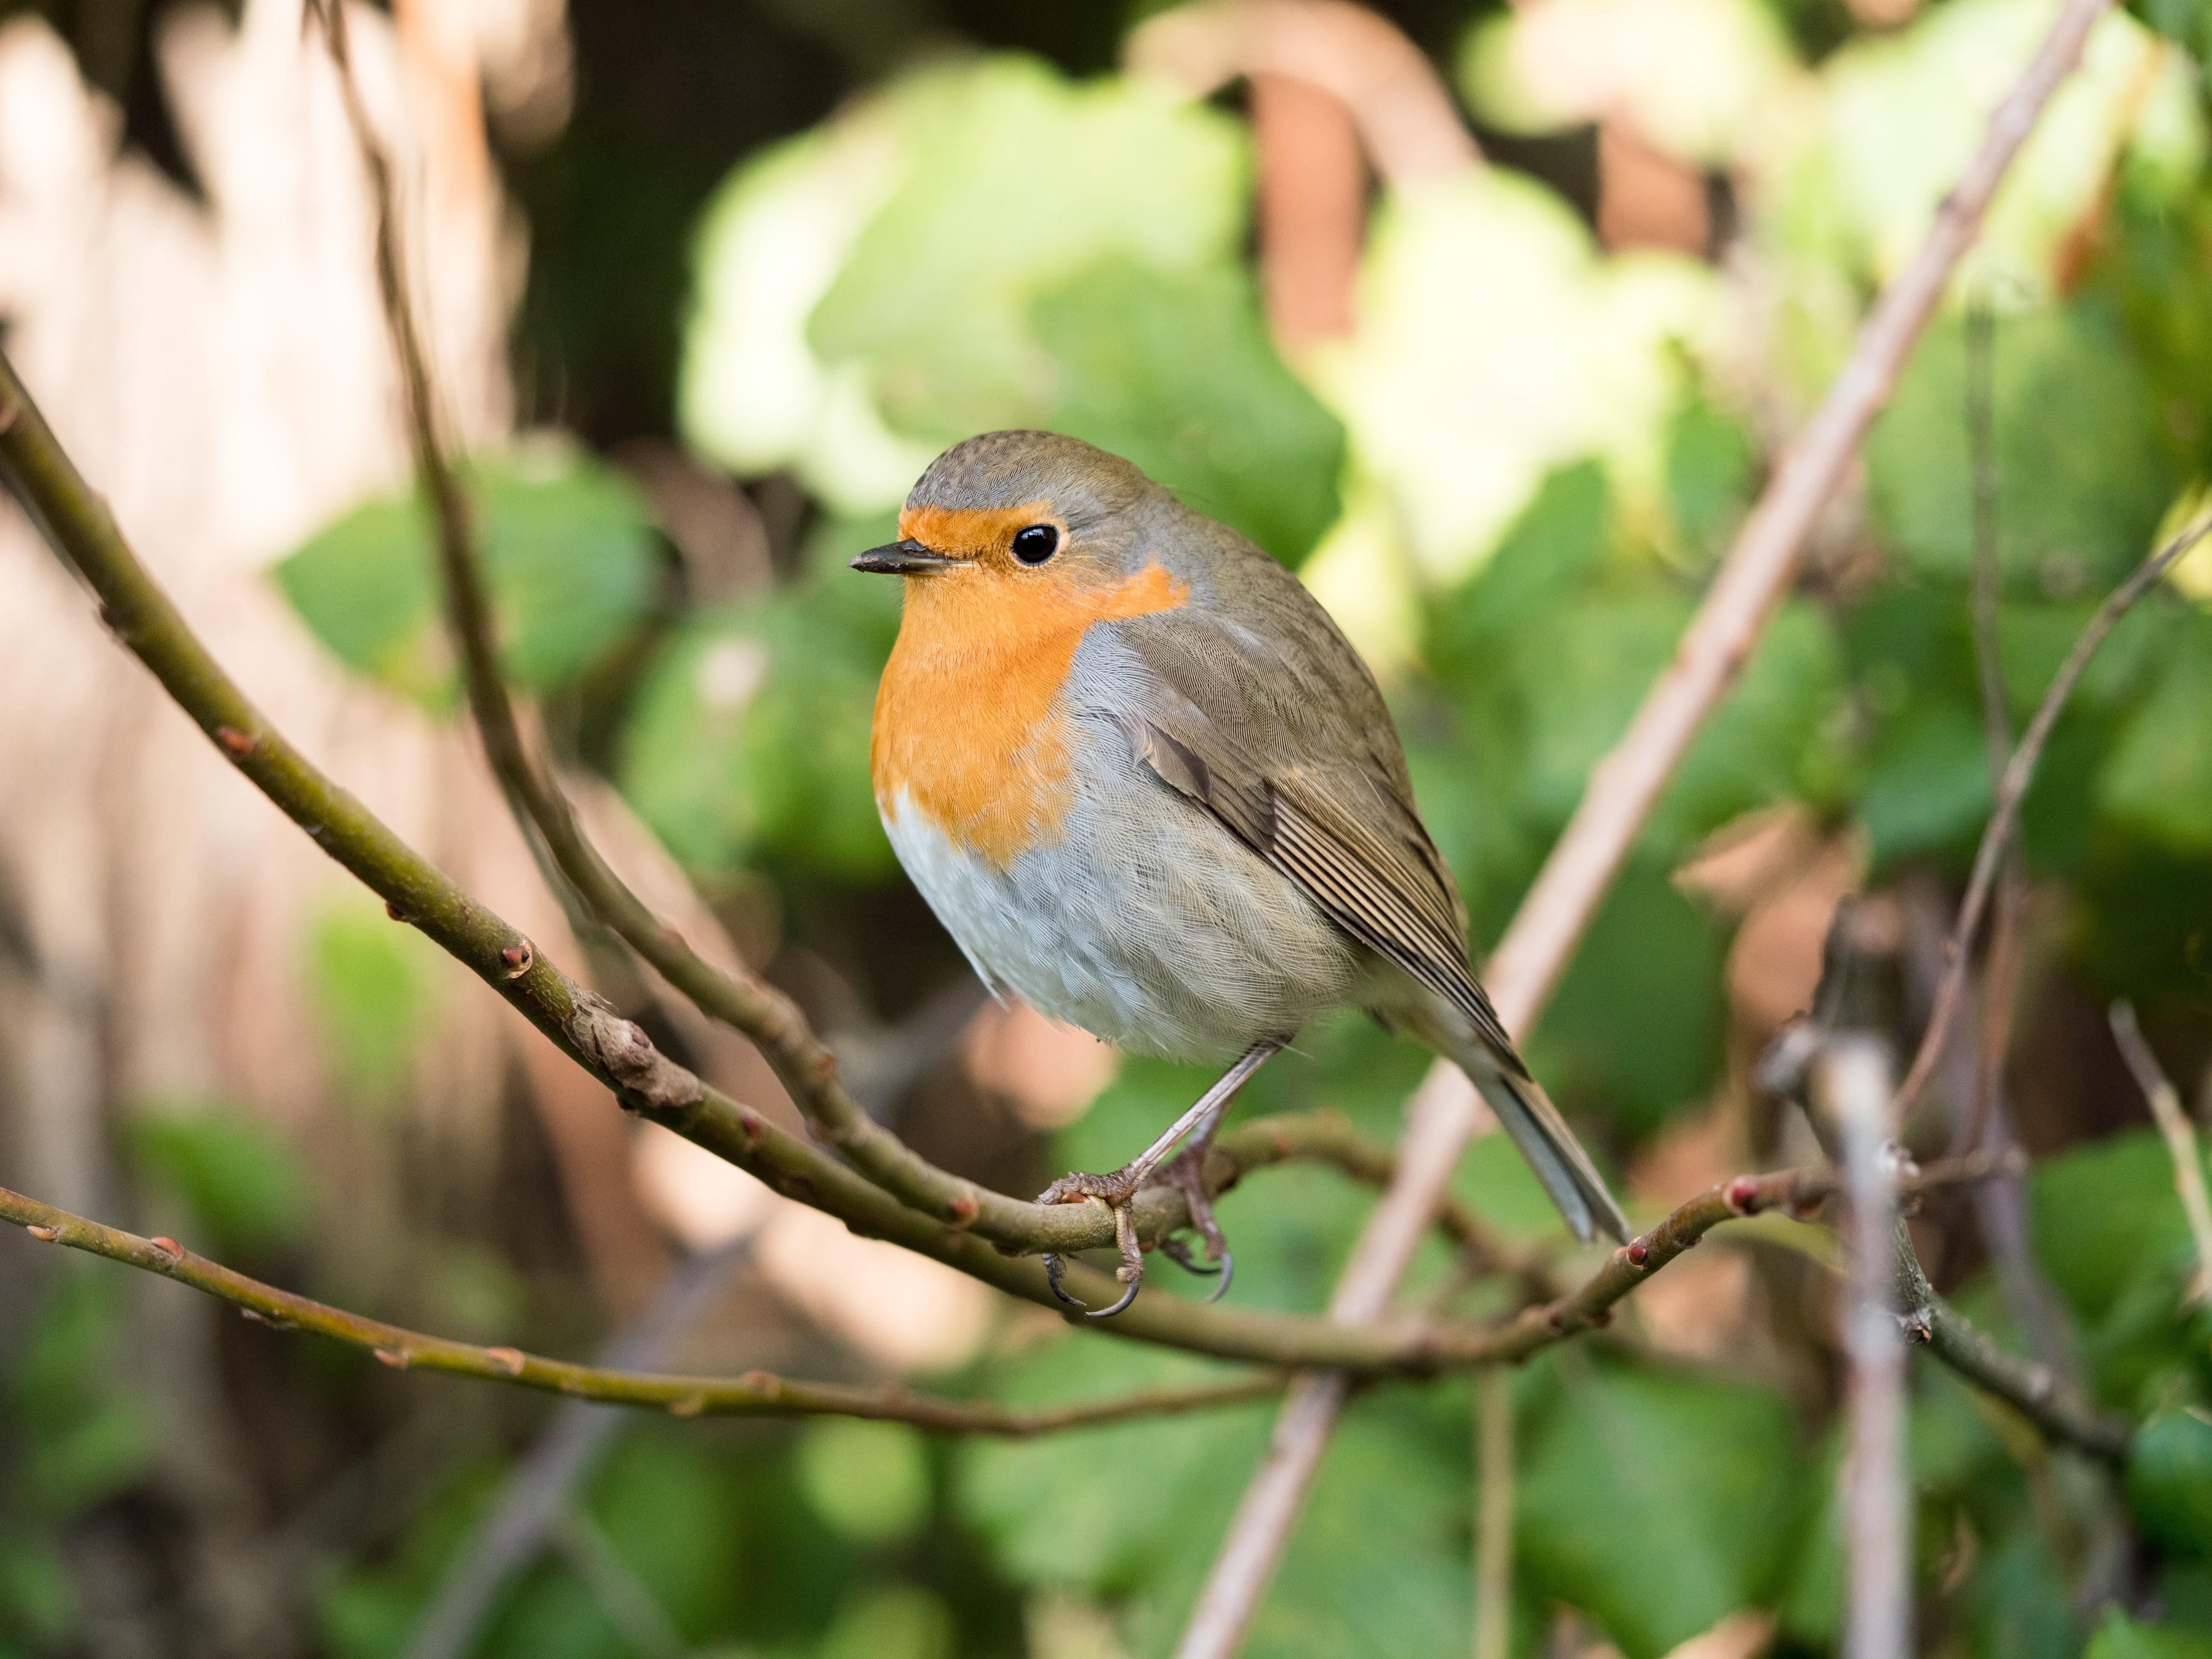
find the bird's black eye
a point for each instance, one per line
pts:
(1035, 543)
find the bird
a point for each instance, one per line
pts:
(1150, 788)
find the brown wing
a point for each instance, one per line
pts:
(1290, 744)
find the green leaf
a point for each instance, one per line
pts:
(1635, 1026)
(2105, 1213)
(372, 981)
(868, 1480)
(2083, 473)
(1657, 1502)
(1015, 181)
(2120, 1638)
(1175, 372)
(1551, 549)
(246, 1188)
(1760, 745)
(2159, 778)
(2170, 1481)
(568, 554)
(748, 738)
(1928, 786)
(1072, 1511)
(85, 1438)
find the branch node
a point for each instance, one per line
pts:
(44, 1235)
(518, 958)
(398, 1358)
(621, 1048)
(394, 911)
(760, 1383)
(170, 1248)
(1742, 1197)
(690, 1406)
(961, 1213)
(510, 1360)
(235, 743)
(1636, 1252)
(1919, 1326)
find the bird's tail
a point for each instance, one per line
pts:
(1527, 1115)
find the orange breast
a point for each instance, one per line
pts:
(965, 722)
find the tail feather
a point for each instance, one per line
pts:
(1528, 1117)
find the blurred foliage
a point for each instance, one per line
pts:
(567, 556)
(1510, 482)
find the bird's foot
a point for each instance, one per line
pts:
(1186, 1172)
(1118, 1192)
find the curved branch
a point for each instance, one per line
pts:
(749, 1004)
(615, 1050)
(2012, 790)
(754, 1394)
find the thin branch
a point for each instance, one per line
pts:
(2001, 974)
(616, 1051)
(2180, 1139)
(1494, 1514)
(1623, 790)
(2033, 1390)
(803, 1062)
(512, 1532)
(1402, 1346)
(755, 1393)
(2018, 773)
(1851, 1084)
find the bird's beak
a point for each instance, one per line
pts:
(906, 558)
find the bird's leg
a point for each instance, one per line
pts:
(1119, 1190)
(1186, 1171)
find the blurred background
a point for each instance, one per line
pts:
(1489, 321)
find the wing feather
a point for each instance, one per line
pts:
(1296, 754)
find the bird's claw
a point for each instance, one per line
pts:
(1186, 1172)
(1118, 1192)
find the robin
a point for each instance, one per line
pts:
(1150, 788)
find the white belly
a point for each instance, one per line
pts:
(1146, 923)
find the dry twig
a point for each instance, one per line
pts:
(613, 1049)
(2180, 1139)
(1851, 1083)
(1494, 1514)
(1622, 792)
(754, 1394)
(2018, 773)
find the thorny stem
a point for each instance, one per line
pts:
(754, 1394)
(76, 522)
(802, 1061)
(2018, 773)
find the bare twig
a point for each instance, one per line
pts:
(2019, 772)
(1400, 1347)
(615, 1050)
(755, 1393)
(2001, 974)
(1622, 792)
(1851, 1084)
(803, 1061)
(1494, 1514)
(1408, 121)
(576, 1435)
(2180, 1139)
